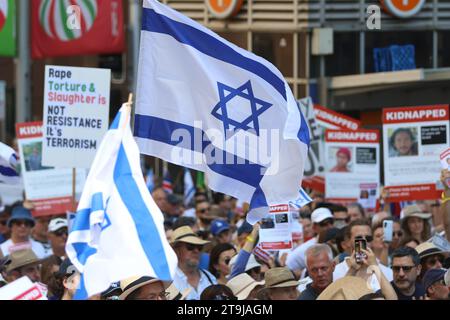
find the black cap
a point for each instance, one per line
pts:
(66, 269)
(113, 290)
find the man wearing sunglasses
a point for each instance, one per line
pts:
(188, 247)
(322, 220)
(21, 223)
(57, 235)
(360, 229)
(431, 257)
(406, 268)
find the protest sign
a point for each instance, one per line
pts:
(445, 163)
(352, 159)
(48, 188)
(275, 231)
(22, 289)
(413, 138)
(76, 113)
(368, 196)
(320, 118)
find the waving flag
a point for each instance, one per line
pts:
(206, 104)
(118, 231)
(8, 163)
(189, 188)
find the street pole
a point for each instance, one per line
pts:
(135, 8)
(23, 64)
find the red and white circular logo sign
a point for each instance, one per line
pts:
(223, 9)
(403, 8)
(3, 13)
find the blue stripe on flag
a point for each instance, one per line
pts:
(209, 45)
(81, 293)
(304, 195)
(81, 222)
(303, 133)
(83, 250)
(162, 130)
(143, 220)
(8, 172)
(115, 123)
(97, 202)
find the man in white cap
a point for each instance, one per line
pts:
(57, 235)
(188, 246)
(322, 220)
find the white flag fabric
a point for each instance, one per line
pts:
(189, 188)
(8, 163)
(118, 231)
(204, 103)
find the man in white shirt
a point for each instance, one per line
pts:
(21, 223)
(188, 246)
(361, 228)
(322, 220)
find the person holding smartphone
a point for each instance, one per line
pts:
(360, 229)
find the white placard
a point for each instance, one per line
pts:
(413, 138)
(22, 289)
(275, 232)
(48, 188)
(353, 158)
(76, 112)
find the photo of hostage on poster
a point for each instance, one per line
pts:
(413, 139)
(352, 160)
(275, 232)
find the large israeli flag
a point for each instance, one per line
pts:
(118, 231)
(8, 163)
(206, 104)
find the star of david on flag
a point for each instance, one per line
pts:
(227, 94)
(206, 104)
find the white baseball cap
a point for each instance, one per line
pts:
(56, 224)
(321, 214)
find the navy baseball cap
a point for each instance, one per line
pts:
(218, 226)
(432, 276)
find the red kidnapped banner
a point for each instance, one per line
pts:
(55, 29)
(415, 114)
(369, 136)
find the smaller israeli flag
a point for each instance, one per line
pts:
(167, 181)
(8, 163)
(302, 200)
(189, 188)
(118, 231)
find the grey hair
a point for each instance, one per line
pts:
(317, 249)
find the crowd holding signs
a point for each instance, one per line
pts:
(340, 238)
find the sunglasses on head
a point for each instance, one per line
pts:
(192, 247)
(406, 269)
(326, 222)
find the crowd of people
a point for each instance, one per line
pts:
(219, 257)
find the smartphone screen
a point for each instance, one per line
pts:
(360, 244)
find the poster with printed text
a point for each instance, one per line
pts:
(76, 114)
(413, 138)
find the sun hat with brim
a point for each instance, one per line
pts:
(131, 284)
(242, 285)
(414, 211)
(22, 258)
(432, 276)
(426, 249)
(280, 277)
(175, 294)
(187, 235)
(20, 213)
(346, 288)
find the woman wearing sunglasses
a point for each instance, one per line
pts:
(219, 261)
